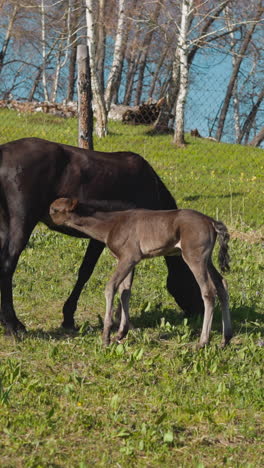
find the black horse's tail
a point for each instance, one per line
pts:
(223, 237)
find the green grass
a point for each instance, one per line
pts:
(65, 401)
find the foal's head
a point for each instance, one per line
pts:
(61, 208)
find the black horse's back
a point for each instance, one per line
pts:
(34, 172)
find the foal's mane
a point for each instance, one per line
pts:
(92, 206)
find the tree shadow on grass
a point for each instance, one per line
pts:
(226, 195)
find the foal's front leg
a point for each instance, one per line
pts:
(124, 268)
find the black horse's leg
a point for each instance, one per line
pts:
(15, 237)
(8, 316)
(91, 257)
(183, 286)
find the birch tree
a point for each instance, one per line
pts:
(44, 53)
(99, 103)
(72, 62)
(63, 50)
(182, 58)
(118, 56)
(190, 41)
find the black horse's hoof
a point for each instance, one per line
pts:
(21, 327)
(16, 329)
(69, 326)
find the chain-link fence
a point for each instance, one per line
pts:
(223, 179)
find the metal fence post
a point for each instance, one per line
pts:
(85, 111)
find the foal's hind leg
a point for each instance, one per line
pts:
(125, 293)
(200, 271)
(124, 268)
(222, 292)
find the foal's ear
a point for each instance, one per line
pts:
(73, 204)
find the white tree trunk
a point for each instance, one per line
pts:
(118, 56)
(182, 56)
(99, 103)
(56, 78)
(60, 60)
(44, 58)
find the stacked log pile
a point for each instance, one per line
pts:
(55, 108)
(145, 113)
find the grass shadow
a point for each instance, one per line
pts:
(246, 319)
(153, 318)
(61, 333)
(57, 334)
(159, 132)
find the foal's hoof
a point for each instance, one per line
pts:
(117, 339)
(225, 341)
(106, 341)
(201, 346)
(120, 336)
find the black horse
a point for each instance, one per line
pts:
(34, 172)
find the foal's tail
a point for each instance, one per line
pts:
(223, 237)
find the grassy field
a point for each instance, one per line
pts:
(152, 401)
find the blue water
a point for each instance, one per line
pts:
(209, 76)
